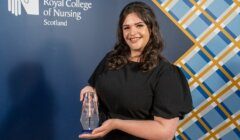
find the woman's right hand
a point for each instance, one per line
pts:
(85, 90)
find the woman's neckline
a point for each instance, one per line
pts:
(134, 62)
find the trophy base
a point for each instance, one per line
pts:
(86, 131)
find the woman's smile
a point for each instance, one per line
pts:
(134, 39)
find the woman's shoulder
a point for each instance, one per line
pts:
(167, 69)
(164, 65)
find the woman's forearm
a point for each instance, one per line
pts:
(147, 129)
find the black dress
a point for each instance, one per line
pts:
(130, 94)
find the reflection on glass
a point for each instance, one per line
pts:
(89, 117)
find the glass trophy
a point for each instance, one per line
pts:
(89, 117)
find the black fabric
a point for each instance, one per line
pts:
(131, 94)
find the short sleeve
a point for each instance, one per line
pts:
(99, 69)
(172, 96)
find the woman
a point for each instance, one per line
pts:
(141, 95)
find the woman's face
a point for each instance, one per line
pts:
(135, 33)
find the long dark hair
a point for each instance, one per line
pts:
(151, 54)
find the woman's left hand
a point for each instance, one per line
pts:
(101, 131)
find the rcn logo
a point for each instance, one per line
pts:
(31, 6)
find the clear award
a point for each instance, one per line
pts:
(90, 116)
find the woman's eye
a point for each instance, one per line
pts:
(125, 28)
(140, 25)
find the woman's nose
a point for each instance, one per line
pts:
(133, 31)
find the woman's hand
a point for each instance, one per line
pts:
(85, 90)
(101, 131)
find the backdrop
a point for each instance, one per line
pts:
(49, 48)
